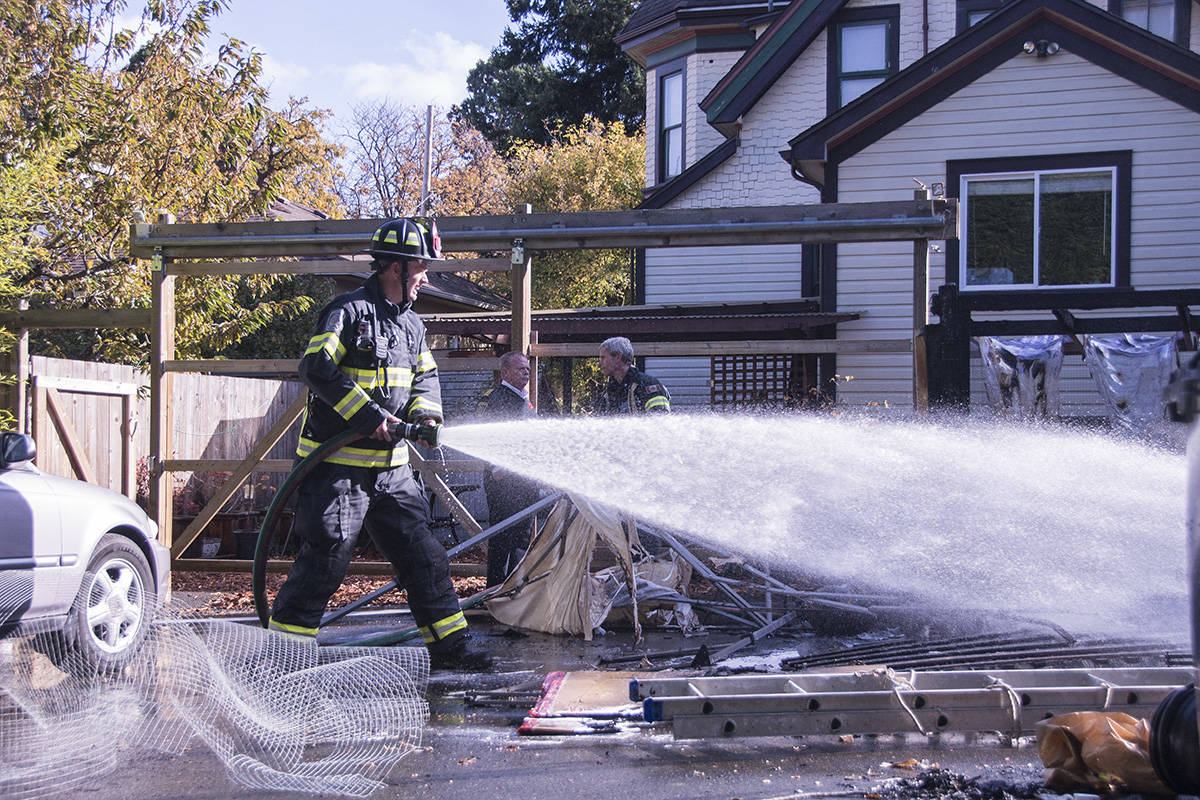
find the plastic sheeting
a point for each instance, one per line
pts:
(1131, 371)
(1021, 374)
(1097, 751)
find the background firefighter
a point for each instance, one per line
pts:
(367, 367)
(628, 391)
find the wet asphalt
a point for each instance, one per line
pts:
(471, 747)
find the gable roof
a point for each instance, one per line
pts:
(770, 56)
(1079, 27)
(658, 24)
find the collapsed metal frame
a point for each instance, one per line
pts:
(182, 250)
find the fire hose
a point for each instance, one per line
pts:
(426, 434)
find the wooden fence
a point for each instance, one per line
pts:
(105, 411)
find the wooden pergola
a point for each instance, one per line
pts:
(179, 251)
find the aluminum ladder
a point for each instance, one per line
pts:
(886, 701)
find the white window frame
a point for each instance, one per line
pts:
(662, 168)
(1035, 175)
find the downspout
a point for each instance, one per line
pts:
(924, 27)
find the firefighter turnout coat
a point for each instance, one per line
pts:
(368, 357)
(636, 393)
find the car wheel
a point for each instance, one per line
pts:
(112, 612)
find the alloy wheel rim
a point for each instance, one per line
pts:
(116, 602)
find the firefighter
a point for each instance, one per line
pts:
(368, 367)
(507, 493)
(629, 391)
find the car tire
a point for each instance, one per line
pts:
(113, 611)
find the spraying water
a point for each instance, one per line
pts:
(1079, 529)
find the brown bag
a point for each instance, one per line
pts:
(1098, 751)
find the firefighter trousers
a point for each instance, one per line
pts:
(335, 502)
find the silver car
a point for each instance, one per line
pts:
(80, 565)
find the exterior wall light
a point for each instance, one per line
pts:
(1042, 47)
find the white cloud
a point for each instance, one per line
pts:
(284, 77)
(432, 70)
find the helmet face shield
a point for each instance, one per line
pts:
(407, 238)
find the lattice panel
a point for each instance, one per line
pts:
(745, 381)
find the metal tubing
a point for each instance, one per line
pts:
(703, 569)
(482, 536)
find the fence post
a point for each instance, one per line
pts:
(920, 387)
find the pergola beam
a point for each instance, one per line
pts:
(902, 220)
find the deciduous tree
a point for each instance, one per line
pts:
(385, 154)
(125, 120)
(594, 166)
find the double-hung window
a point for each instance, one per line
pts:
(1051, 222)
(864, 50)
(670, 125)
(1170, 19)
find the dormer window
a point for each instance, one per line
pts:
(971, 12)
(670, 124)
(864, 50)
(1170, 19)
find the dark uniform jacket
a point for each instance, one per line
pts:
(501, 402)
(368, 356)
(638, 392)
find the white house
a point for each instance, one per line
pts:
(1069, 131)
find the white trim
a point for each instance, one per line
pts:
(1036, 176)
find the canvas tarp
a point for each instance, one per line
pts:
(552, 589)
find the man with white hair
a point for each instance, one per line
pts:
(508, 493)
(629, 391)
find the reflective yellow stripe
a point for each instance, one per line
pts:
(300, 630)
(425, 362)
(357, 456)
(421, 404)
(396, 376)
(329, 342)
(655, 402)
(355, 399)
(444, 627)
(427, 635)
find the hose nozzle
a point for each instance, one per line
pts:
(424, 433)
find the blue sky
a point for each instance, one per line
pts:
(338, 54)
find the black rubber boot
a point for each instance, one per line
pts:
(457, 654)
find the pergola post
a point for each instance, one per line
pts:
(522, 300)
(162, 349)
(920, 316)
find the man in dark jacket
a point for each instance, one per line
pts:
(368, 368)
(629, 391)
(507, 493)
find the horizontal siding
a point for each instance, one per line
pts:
(1025, 107)
(687, 379)
(723, 274)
